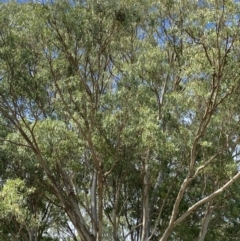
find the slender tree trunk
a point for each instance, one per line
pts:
(100, 202)
(31, 234)
(154, 195)
(175, 210)
(78, 221)
(115, 211)
(145, 219)
(93, 194)
(207, 216)
(205, 221)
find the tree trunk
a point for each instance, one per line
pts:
(100, 202)
(205, 221)
(93, 193)
(145, 207)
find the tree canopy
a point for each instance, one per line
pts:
(119, 120)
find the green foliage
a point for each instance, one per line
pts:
(13, 200)
(107, 110)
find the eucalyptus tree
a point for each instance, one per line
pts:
(130, 109)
